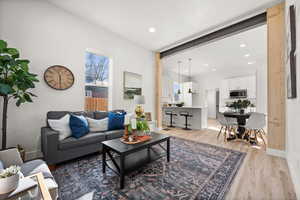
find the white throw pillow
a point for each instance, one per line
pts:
(62, 126)
(96, 125)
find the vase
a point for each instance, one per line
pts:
(9, 184)
(242, 111)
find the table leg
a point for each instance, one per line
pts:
(122, 171)
(103, 159)
(168, 149)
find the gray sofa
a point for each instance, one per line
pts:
(56, 151)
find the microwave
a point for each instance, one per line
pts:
(238, 94)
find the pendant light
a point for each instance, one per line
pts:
(179, 92)
(190, 66)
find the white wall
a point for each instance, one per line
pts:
(293, 115)
(167, 84)
(48, 35)
(211, 103)
(262, 90)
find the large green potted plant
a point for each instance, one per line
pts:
(15, 82)
(239, 105)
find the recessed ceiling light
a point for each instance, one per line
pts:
(251, 63)
(214, 69)
(247, 55)
(152, 30)
(206, 65)
(242, 45)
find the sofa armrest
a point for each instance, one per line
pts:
(50, 141)
(10, 157)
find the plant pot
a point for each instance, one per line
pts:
(9, 184)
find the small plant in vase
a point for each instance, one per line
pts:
(9, 179)
(141, 126)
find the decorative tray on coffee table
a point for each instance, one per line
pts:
(138, 139)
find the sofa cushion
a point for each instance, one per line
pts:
(79, 126)
(90, 138)
(56, 114)
(100, 115)
(34, 167)
(84, 113)
(10, 157)
(114, 134)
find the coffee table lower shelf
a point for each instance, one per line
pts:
(135, 160)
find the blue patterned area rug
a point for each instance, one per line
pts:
(195, 171)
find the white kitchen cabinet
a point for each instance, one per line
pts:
(239, 83)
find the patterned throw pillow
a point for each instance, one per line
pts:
(98, 125)
(62, 126)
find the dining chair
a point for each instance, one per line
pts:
(255, 124)
(227, 125)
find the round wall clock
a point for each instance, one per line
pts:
(59, 77)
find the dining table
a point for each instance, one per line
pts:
(241, 119)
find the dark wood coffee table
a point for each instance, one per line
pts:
(130, 157)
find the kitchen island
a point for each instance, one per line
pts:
(197, 122)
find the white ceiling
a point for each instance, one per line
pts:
(225, 55)
(174, 20)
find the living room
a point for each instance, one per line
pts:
(61, 34)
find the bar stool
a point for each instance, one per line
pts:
(171, 113)
(186, 115)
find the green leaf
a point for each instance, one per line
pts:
(18, 103)
(27, 97)
(5, 58)
(3, 45)
(5, 89)
(13, 52)
(23, 64)
(33, 95)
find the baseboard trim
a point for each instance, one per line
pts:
(295, 178)
(275, 152)
(30, 155)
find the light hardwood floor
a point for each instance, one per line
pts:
(261, 176)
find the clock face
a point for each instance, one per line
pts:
(59, 77)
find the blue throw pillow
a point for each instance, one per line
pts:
(79, 126)
(116, 120)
